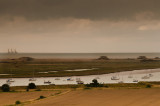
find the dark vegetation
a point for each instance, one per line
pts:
(31, 86)
(103, 58)
(5, 88)
(17, 102)
(41, 97)
(94, 83)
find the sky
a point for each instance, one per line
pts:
(80, 26)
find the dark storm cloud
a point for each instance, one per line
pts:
(88, 9)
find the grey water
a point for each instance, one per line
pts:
(78, 55)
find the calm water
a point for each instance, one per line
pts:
(105, 78)
(78, 55)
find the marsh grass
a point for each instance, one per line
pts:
(102, 67)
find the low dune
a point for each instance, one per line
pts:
(105, 97)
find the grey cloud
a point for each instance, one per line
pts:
(87, 9)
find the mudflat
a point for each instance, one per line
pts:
(58, 67)
(104, 97)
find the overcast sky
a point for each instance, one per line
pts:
(54, 26)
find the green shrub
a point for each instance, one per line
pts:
(148, 86)
(42, 97)
(17, 102)
(94, 84)
(5, 88)
(31, 86)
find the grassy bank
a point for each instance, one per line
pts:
(83, 86)
(26, 69)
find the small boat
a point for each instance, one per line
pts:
(70, 79)
(57, 78)
(32, 79)
(10, 80)
(47, 82)
(145, 77)
(80, 82)
(150, 75)
(135, 80)
(130, 76)
(115, 78)
(78, 79)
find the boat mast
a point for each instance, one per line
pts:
(8, 51)
(15, 51)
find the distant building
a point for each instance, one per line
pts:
(156, 58)
(26, 58)
(142, 57)
(103, 58)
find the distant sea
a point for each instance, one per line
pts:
(78, 55)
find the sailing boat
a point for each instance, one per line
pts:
(10, 51)
(79, 81)
(57, 78)
(15, 51)
(150, 75)
(47, 82)
(130, 76)
(135, 80)
(10, 80)
(115, 78)
(70, 79)
(121, 80)
(145, 77)
(32, 79)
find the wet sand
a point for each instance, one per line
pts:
(106, 97)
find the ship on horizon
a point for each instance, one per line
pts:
(10, 51)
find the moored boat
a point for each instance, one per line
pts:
(80, 82)
(135, 80)
(70, 79)
(57, 78)
(145, 77)
(115, 78)
(47, 82)
(10, 80)
(32, 79)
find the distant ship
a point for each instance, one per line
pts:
(10, 51)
